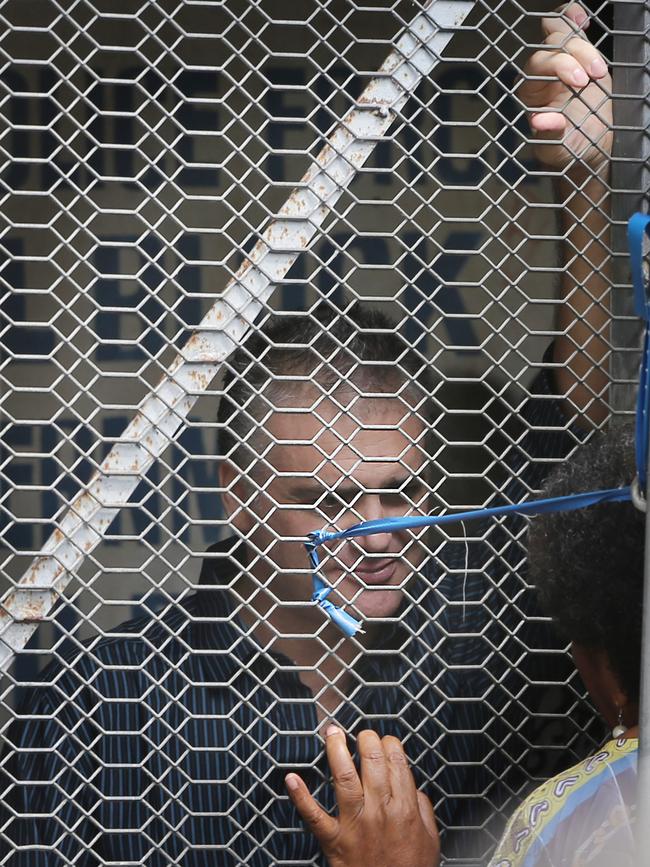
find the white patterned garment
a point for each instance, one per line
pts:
(583, 817)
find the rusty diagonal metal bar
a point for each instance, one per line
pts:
(227, 322)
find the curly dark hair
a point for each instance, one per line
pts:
(587, 564)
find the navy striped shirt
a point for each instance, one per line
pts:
(167, 742)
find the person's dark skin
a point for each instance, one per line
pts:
(383, 820)
(605, 691)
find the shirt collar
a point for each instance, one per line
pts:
(223, 562)
(217, 629)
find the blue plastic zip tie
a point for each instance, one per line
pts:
(638, 228)
(350, 625)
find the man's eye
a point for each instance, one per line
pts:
(411, 494)
(330, 505)
(334, 501)
(416, 491)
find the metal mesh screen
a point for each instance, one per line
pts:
(220, 333)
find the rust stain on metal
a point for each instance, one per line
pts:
(192, 342)
(200, 379)
(245, 265)
(373, 100)
(34, 612)
(34, 608)
(136, 423)
(295, 202)
(40, 566)
(325, 155)
(87, 500)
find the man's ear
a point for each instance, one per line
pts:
(234, 494)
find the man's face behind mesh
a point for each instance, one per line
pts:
(333, 466)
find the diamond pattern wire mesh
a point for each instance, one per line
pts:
(147, 147)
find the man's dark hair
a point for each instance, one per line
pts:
(356, 352)
(588, 564)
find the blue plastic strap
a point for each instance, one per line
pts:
(350, 625)
(532, 507)
(638, 226)
(637, 229)
(345, 622)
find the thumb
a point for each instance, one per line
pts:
(429, 819)
(549, 125)
(323, 826)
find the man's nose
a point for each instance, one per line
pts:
(370, 508)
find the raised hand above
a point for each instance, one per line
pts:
(567, 88)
